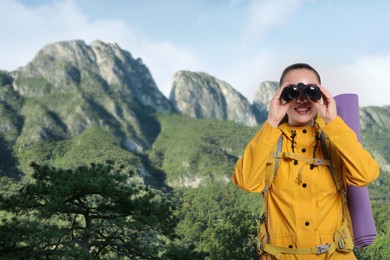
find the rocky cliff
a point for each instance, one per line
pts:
(375, 117)
(102, 76)
(107, 72)
(63, 65)
(72, 91)
(71, 86)
(199, 95)
(263, 96)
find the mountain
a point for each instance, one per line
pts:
(375, 117)
(200, 95)
(70, 89)
(72, 96)
(70, 86)
(263, 96)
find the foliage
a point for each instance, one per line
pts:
(180, 149)
(93, 145)
(91, 212)
(378, 250)
(205, 148)
(215, 220)
(8, 161)
(375, 140)
(220, 220)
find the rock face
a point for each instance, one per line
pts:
(375, 117)
(263, 96)
(62, 66)
(70, 86)
(200, 95)
(71, 90)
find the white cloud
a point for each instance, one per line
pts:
(368, 77)
(29, 29)
(26, 30)
(263, 15)
(164, 58)
(245, 75)
(34, 27)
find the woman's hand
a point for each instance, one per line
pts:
(278, 107)
(327, 108)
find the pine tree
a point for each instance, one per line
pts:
(90, 212)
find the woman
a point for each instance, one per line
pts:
(304, 208)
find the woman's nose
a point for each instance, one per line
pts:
(302, 98)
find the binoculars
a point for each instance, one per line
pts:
(309, 91)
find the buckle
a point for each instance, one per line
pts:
(341, 244)
(322, 249)
(258, 248)
(318, 162)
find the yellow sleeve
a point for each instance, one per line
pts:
(361, 167)
(249, 171)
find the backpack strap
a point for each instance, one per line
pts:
(272, 168)
(337, 173)
(334, 166)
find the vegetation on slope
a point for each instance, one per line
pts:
(212, 219)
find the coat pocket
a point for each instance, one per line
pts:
(288, 241)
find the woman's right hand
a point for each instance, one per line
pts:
(278, 107)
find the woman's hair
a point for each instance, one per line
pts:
(298, 66)
(294, 67)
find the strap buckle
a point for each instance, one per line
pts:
(318, 162)
(322, 249)
(258, 247)
(341, 244)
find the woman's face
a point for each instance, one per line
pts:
(300, 111)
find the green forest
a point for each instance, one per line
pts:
(86, 197)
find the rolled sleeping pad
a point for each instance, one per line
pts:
(359, 204)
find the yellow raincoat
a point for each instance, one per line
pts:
(304, 208)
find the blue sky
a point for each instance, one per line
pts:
(242, 42)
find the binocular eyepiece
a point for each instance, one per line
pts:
(309, 91)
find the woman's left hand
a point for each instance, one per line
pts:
(327, 108)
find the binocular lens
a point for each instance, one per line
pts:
(293, 91)
(310, 92)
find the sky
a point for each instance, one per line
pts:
(242, 42)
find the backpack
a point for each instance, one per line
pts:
(343, 237)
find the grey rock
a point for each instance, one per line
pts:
(373, 117)
(263, 96)
(70, 86)
(64, 65)
(199, 95)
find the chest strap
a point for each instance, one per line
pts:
(306, 160)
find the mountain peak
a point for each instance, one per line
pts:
(199, 95)
(65, 64)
